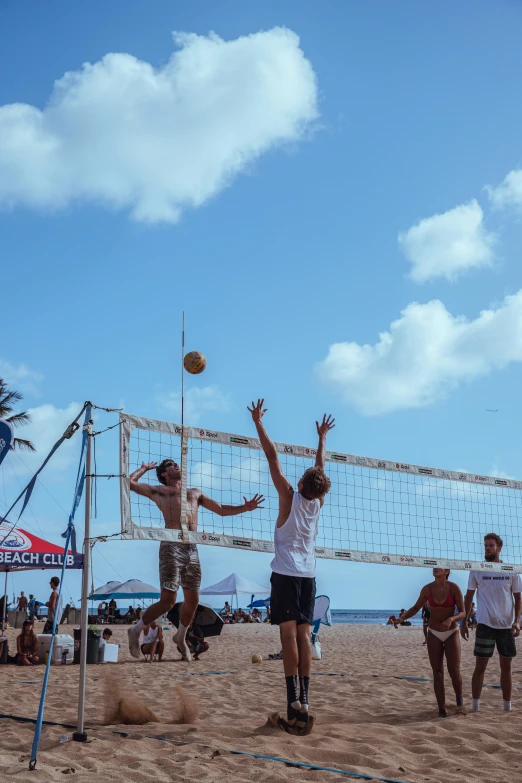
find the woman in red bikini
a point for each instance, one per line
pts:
(446, 609)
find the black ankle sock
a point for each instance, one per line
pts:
(291, 689)
(443, 713)
(460, 701)
(304, 682)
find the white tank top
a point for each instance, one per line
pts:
(151, 636)
(295, 540)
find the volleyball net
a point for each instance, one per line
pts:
(377, 511)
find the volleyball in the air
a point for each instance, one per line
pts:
(257, 658)
(194, 362)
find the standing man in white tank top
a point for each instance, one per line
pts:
(292, 597)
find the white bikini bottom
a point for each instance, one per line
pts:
(442, 635)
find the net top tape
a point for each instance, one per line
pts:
(241, 441)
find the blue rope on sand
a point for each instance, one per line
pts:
(425, 679)
(410, 679)
(286, 762)
(304, 765)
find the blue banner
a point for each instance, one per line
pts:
(6, 438)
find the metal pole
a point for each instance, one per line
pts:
(80, 735)
(184, 449)
(4, 611)
(182, 378)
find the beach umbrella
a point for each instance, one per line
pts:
(208, 621)
(132, 588)
(257, 604)
(100, 592)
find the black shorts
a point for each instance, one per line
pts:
(292, 598)
(486, 638)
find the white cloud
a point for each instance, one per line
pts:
(426, 353)
(20, 378)
(448, 245)
(508, 193)
(198, 401)
(498, 473)
(158, 140)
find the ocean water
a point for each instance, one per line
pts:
(369, 616)
(365, 616)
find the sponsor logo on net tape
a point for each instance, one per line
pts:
(242, 543)
(208, 434)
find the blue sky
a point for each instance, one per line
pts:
(290, 194)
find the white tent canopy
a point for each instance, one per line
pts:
(235, 584)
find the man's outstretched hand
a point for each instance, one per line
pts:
(257, 411)
(256, 502)
(148, 465)
(325, 426)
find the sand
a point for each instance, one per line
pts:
(367, 721)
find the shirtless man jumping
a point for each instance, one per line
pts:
(178, 562)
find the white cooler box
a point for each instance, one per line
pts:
(62, 641)
(108, 653)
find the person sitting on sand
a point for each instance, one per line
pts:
(130, 616)
(226, 609)
(256, 616)
(152, 643)
(472, 619)
(105, 637)
(27, 646)
(196, 641)
(3, 647)
(444, 597)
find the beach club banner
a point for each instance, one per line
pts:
(6, 438)
(20, 549)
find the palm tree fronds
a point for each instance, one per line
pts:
(19, 418)
(7, 399)
(23, 445)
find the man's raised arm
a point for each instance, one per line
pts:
(142, 489)
(230, 511)
(322, 430)
(281, 483)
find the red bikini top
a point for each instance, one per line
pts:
(450, 601)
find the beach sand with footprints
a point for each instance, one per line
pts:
(369, 721)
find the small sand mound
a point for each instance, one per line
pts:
(125, 708)
(187, 707)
